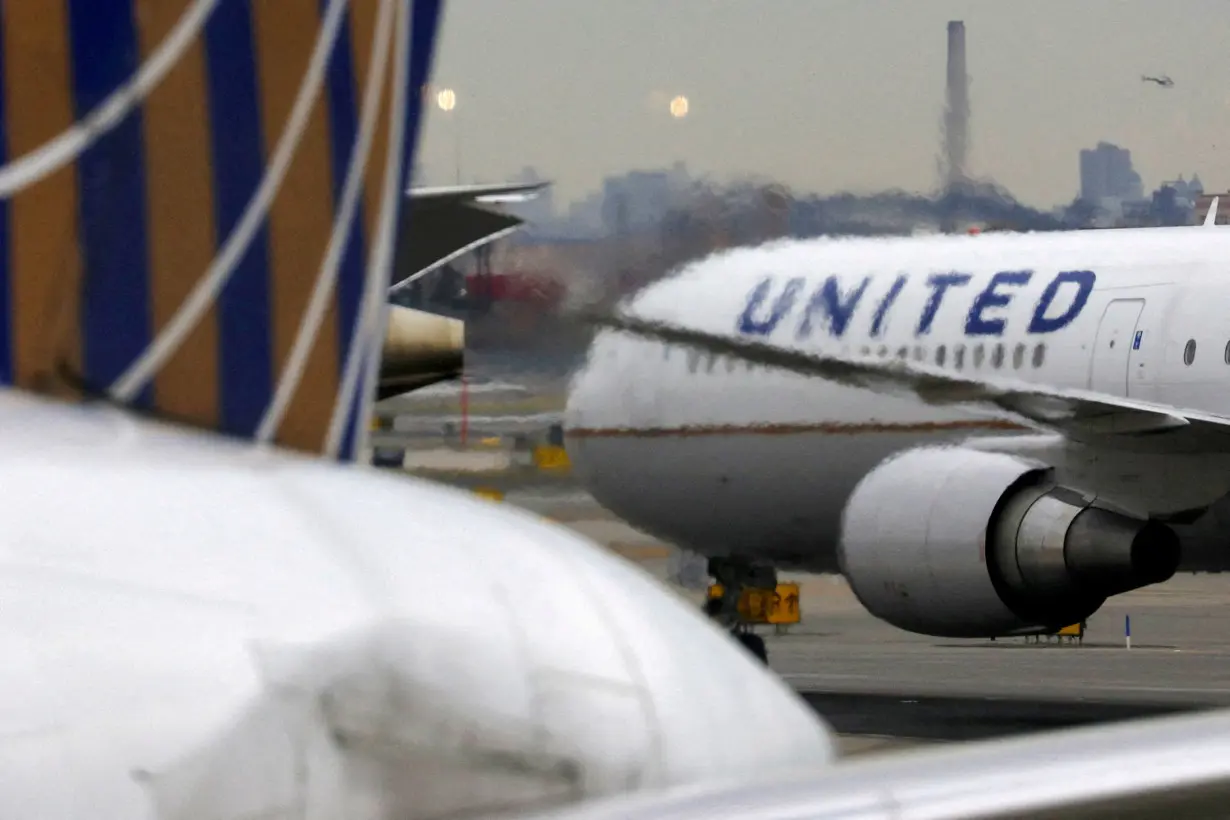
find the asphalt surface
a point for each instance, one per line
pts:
(938, 718)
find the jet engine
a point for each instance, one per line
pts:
(961, 543)
(419, 349)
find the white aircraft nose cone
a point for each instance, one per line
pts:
(551, 669)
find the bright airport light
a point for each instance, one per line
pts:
(446, 99)
(679, 107)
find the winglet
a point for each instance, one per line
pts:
(1210, 219)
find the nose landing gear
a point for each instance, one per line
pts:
(735, 576)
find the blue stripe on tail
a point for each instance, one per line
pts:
(344, 102)
(245, 360)
(116, 308)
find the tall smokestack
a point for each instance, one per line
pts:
(956, 115)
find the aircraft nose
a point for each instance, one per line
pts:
(592, 402)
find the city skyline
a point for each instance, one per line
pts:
(843, 96)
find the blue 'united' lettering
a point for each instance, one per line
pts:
(877, 321)
(1083, 279)
(940, 283)
(829, 298)
(835, 307)
(749, 320)
(978, 325)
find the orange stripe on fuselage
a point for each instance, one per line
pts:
(301, 218)
(181, 214)
(827, 428)
(44, 254)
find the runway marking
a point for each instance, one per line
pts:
(828, 428)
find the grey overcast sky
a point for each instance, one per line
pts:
(829, 95)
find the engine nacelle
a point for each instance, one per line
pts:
(962, 543)
(419, 349)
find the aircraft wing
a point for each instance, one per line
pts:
(1156, 767)
(497, 192)
(441, 224)
(1081, 415)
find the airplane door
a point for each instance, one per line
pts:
(1112, 350)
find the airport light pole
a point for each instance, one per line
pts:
(446, 101)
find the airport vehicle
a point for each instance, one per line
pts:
(987, 435)
(205, 618)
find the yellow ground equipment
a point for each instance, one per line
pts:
(551, 457)
(489, 493)
(779, 606)
(1075, 632)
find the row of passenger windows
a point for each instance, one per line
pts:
(977, 356)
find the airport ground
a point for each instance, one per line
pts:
(884, 689)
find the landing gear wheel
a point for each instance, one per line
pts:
(755, 644)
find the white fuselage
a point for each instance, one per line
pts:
(193, 628)
(727, 458)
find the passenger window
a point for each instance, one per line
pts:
(1189, 352)
(1227, 354)
(979, 353)
(958, 357)
(1039, 355)
(919, 353)
(939, 355)
(903, 352)
(997, 357)
(1018, 356)
(883, 351)
(864, 351)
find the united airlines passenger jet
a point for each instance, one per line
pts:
(986, 435)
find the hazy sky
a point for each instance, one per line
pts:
(830, 95)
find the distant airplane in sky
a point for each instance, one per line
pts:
(1163, 80)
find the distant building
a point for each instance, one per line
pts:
(1186, 192)
(639, 200)
(1107, 177)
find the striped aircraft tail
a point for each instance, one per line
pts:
(199, 201)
